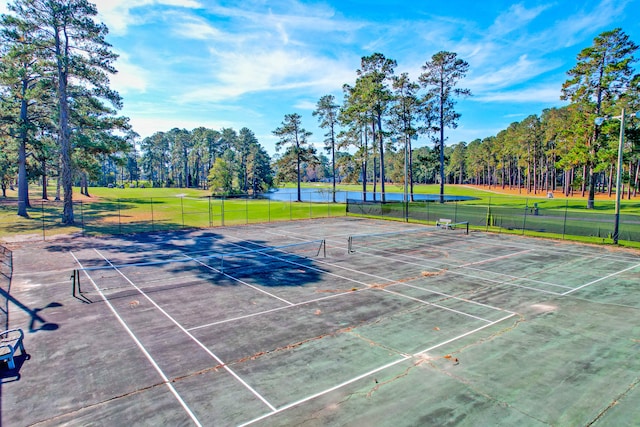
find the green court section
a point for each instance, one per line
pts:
(280, 324)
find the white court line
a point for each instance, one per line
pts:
(496, 258)
(238, 280)
(392, 282)
(526, 279)
(428, 303)
(259, 313)
(370, 253)
(175, 322)
(165, 379)
(601, 279)
(359, 377)
(458, 273)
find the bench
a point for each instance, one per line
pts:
(10, 341)
(443, 223)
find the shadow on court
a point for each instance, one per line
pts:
(265, 325)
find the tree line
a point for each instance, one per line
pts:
(58, 113)
(59, 118)
(226, 162)
(383, 113)
(564, 148)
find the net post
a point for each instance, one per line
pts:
(75, 277)
(350, 245)
(467, 230)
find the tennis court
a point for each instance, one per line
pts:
(340, 321)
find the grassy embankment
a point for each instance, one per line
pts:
(114, 210)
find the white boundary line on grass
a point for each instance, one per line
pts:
(151, 360)
(209, 352)
(371, 372)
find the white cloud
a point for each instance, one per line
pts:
(573, 29)
(541, 94)
(192, 27)
(513, 73)
(517, 17)
(116, 13)
(130, 77)
(305, 105)
(247, 72)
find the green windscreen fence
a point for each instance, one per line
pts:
(557, 217)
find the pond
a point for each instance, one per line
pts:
(324, 195)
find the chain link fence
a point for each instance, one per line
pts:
(558, 217)
(6, 271)
(138, 215)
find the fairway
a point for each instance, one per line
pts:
(334, 321)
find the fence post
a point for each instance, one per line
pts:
(426, 205)
(524, 220)
(222, 210)
(210, 214)
(269, 208)
(82, 217)
(564, 225)
(246, 210)
(119, 219)
(153, 227)
(44, 237)
(182, 209)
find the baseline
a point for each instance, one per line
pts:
(373, 371)
(151, 360)
(175, 322)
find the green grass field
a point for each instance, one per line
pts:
(130, 210)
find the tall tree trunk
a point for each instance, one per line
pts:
(45, 179)
(333, 163)
(410, 166)
(441, 145)
(375, 162)
(382, 192)
(629, 186)
(23, 184)
(64, 133)
(298, 172)
(635, 181)
(364, 164)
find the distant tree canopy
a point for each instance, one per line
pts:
(184, 158)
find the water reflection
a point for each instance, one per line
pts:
(324, 195)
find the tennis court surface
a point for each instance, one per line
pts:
(341, 321)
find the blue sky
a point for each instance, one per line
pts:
(190, 63)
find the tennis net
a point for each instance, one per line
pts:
(193, 269)
(407, 240)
